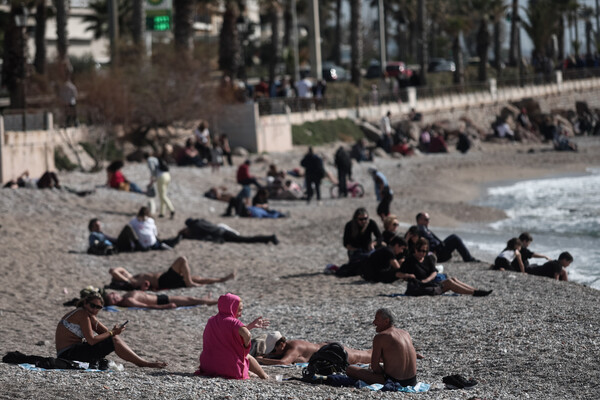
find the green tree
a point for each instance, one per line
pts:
(230, 60)
(356, 43)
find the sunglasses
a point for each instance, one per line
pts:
(363, 218)
(421, 251)
(96, 306)
(395, 224)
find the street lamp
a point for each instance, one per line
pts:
(21, 16)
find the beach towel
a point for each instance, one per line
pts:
(118, 308)
(32, 367)
(402, 294)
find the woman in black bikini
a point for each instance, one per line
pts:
(82, 323)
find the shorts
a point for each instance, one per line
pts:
(170, 280)
(85, 352)
(162, 299)
(403, 382)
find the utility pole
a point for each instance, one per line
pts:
(316, 64)
(295, 41)
(382, 43)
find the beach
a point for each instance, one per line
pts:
(533, 337)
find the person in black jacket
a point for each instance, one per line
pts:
(201, 229)
(343, 162)
(314, 171)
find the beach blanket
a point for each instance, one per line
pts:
(32, 367)
(118, 309)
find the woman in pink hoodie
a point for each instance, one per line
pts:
(226, 342)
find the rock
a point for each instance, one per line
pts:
(239, 151)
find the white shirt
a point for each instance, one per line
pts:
(504, 130)
(304, 87)
(145, 230)
(386, 125)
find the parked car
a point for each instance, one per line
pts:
(441, 65)
(333, 73)
(397, 69)
(374, 71)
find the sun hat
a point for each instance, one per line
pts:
(272, 338)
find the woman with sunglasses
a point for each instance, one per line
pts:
(421, 267)
(81, 324)
(361, 235)
(390, 228)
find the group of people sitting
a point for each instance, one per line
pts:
(516, 256)
(389, 256)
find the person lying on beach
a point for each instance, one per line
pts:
(137, 298)
(48, 180)
(280, 351)
(442, 248)
(361, 235)
(382, 265)
(393, 356)
(527, 254)
(510, 258)
(420, 267)
(553, 269)
(259, 208)
(177, 276)
(81, 324)
(226, 342)
(102, 244)
(219, 193)
(201, 229)
(145, 229)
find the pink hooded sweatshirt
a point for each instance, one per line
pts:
(223, 351)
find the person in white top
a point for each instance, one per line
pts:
(386, 132)
(147, 233)
(162, 178)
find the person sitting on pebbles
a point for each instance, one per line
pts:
(280, 351)
(177, 276)
(226, 343)
(81, 324)
(137, 298)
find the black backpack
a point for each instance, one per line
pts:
(162, 165)
(328, 360)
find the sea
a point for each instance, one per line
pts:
(562, 213)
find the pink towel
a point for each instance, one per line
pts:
(223, 351)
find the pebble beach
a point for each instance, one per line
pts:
(533, 337)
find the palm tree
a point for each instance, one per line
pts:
(274, 12)
(230, 59)
(183, 25)
(41, 14)
(14, 70)
(138, 24)
(514, 33)
(542, 23)
(98, 20)
(422, 39)
(62, 40)
(356, 44)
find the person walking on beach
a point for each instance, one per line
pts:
(393, 357)
(343, 162)
(82, 323)
(553, 269)
(314, 172)
(159, 173)
(442, 248)
(383, 193)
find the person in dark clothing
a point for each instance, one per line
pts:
(527, 254)
(383, 193)
(421, 267)
(102, 244)
(244, 177)
(201, 229)
(361, 235)
(343, 162)
(314, 171)
(553, 269)
(442, 249)
(381, 266)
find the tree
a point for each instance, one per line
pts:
(514, 33)
(14, 70)
(41, 15)
(356, 43)
(230, 59)
(183, 25)
(542, 23)
(62, 40)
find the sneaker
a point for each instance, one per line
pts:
(172, 215)
(482, 293)
(458, 382)
(473, 260)
(164, 246)
(330, 269)
(275, 240)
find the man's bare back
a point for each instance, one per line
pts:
(397, 353)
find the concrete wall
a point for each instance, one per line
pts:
(20, 151)
(244, 128)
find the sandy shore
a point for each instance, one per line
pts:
(532, 338)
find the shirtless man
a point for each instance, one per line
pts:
(177, 276)
(137, 298)
(393, 355)
(281, 351)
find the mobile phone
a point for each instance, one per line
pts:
(123, 324)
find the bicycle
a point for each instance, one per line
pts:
(355, 189)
